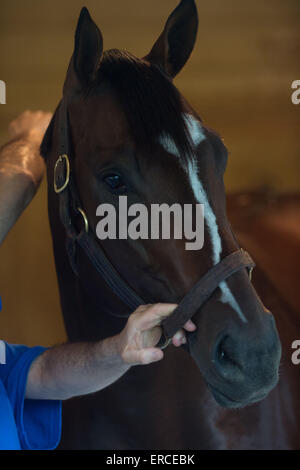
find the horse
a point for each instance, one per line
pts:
(123, 128)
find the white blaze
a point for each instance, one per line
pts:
(197, 135)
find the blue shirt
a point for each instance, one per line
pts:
(25, 424)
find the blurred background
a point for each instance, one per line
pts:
(238, 79)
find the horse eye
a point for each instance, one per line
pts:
(115, 182)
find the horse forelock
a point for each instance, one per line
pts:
(151, 103)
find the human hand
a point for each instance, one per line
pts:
(31, 124)
(136, 343)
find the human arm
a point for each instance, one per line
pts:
(76, 369)
(21, 166)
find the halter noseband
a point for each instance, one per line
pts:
(69, 202)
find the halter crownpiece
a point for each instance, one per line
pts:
(69, 204)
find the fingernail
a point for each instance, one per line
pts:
(178, 336)
(156, 355)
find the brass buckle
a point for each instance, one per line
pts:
(250, 270)
(86, 222)
(166, 342)
(60, 160)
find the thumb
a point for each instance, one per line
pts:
(144, 356)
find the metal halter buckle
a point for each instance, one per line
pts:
(86, 222)
(166, 342)
(62, 160)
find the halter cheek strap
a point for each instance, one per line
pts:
(69, 206)
(203, 289)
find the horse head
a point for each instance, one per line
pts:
(134, 134)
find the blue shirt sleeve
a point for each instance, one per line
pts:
(38, 421)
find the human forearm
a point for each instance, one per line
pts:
(75, 369)
(21, 166)
(21, 170)
(81, 368)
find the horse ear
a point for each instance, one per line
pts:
(87, 54)
(176, 42)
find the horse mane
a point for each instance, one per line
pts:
(151, 103)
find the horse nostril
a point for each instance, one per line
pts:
(222, 353)
(243, 355)
(224, 360)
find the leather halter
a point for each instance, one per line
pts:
(69, 205)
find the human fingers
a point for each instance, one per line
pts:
(154, 315)
(189, 326)
(143, 356)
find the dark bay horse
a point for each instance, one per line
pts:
(127, 130)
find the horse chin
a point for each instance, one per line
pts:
(228, 402)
